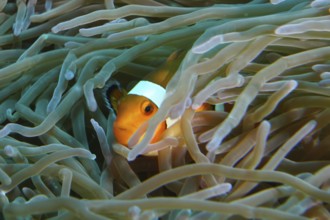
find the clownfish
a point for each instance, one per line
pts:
(141, 103)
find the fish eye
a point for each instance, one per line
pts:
(147, 108)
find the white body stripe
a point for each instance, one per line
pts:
(150, 90)
(170, 122)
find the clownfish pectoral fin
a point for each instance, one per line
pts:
(112, 92)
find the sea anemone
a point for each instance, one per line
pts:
(262, 152)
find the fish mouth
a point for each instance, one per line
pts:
(122, 129)
(126, 129)
(122, 135)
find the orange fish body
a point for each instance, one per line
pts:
(143, 101)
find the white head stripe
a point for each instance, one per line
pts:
(150, 90)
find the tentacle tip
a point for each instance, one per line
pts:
(134, 211)
(280, 30)
(240, 80)
(50, 107)
(275, 2)
(313, 123)
(112, 37)
(319, 3)
(140, 39)
(56, 29)
(213, 145)
(17, 29)
(69, 75)
(93, 107)
(288, 29)
(324, 83)
(38, 198)
(293, 84)
(2, 192)
(92, 157)
(5, 131)
(9, 151)
(131, 156)
(227, 186)
(201, 138)
(94, 123)
(44, 36)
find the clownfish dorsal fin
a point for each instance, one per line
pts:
(111, 93)
(162, 75)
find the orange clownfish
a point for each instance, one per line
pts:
(137, 106)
